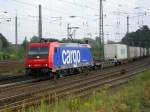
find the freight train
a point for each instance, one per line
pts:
(56, 59)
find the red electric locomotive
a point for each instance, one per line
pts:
(55, 57)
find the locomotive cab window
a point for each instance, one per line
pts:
(41, 51)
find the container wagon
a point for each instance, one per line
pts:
(118, 51)
(132, 52)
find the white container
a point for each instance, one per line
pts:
(142, 52)
(118, 50)
(145, 52)
(132, 52)
(138, 52)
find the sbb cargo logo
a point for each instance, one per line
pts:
(71, 57)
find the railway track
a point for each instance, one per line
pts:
(8, 61)
(9, 66)
(78, 86)
(23, 81)
(13, 79)
(7, 80)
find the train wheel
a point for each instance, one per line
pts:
(28, 72)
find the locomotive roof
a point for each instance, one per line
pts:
(63, 44)
(74, 45)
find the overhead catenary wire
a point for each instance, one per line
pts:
(29, 4)
(59, 11)
(76, 4)
(44, 8)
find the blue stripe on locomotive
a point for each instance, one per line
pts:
(70, 57)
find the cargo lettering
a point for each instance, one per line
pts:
(71, 57)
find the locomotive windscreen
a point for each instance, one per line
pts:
(38, 52)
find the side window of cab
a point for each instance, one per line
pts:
(55, 50)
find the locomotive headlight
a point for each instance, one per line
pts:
(29, 66)
(46, 65)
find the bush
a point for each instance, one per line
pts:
(7, 56)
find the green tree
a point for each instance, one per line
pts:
(5, 43)
(24, 43)
(35, 39)
(1, 44)
(141, 37)
(22, 49)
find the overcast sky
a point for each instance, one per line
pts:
(86, 12)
